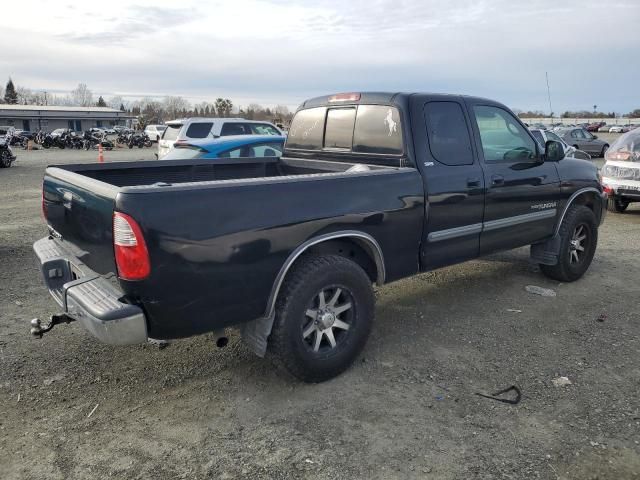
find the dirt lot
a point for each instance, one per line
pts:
(73, 408)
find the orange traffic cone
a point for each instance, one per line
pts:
(100, 153)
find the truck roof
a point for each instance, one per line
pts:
(379, 98)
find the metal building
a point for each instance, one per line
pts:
(48, 118)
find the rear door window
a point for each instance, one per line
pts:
(339, 128)
(448, 134)
(199, 129)
(263, 129)
(234, 128)
(306, 129)
(377, 130)
(171, 133)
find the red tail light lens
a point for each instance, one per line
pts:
(132, 256)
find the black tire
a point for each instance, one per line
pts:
(616, 204)
(573, 263)
(311, 277)
(5, 160)
(604, 150)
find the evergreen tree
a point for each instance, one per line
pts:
(10, 94)
(101, 102)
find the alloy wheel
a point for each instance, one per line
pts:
(328, 319)
(578, 244)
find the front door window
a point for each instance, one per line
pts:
(503, 138)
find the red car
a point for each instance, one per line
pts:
(593, 127)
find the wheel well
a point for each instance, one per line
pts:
(349, 248)
(587, 199)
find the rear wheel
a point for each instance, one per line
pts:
(323, 317)
(578, 240)
(616, 204)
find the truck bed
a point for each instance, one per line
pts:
(221, 230)
(165, 173)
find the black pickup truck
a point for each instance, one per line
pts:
(371, 188)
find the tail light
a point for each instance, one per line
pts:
(132, 256)
(44, 206)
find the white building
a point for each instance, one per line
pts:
(48, 118)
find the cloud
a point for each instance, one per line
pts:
(136, 22)
(277, 51)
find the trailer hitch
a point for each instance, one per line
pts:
(38, 328)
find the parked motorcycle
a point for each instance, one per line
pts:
(139, 140)
(7, 156)
(92, 140)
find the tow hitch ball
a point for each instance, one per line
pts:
(38, 328)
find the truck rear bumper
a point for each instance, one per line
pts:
(88, 297)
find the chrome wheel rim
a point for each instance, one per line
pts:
(328, 319)
(578, 244)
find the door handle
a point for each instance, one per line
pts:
(473, 182)
(497, 180)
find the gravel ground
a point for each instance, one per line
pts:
(73, 408)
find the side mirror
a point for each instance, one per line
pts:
(553, 151)
(595, 136)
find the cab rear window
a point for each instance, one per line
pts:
(364, 128)
(306, 129)
(378, 130)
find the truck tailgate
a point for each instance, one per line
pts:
(79, 211)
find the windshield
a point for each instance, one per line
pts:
(626, 148)
(184, 152)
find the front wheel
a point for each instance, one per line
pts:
(616, 204)
(323, 317)
(5, 159)
(604, 150)
(578, 240)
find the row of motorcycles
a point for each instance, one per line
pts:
(88, 140)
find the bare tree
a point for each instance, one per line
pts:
(82, 96)
(281, 111)
(115, 102)
(174, 106)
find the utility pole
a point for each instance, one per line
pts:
(549, 96)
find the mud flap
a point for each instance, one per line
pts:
(546, 253)
(255, 334)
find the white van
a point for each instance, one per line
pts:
(199, 128)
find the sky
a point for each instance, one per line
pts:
(282, 52)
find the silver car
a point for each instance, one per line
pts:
(584, 140)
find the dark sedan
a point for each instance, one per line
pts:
(584, 140)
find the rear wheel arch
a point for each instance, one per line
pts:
(356, 246)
